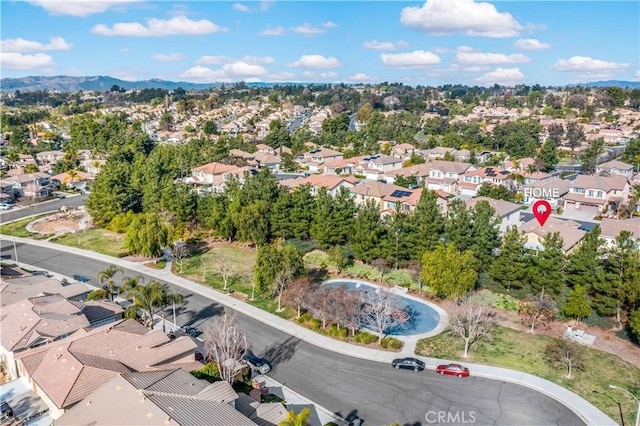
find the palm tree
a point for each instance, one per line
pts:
(294, 419)
(169, 298)
(129, 284)
(146, 297)
(108, 276)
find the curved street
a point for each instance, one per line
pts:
(344, 384)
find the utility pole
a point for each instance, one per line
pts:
(15, 250)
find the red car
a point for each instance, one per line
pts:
(453, 370)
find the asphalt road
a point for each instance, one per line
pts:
(375, 392)
(47, 206)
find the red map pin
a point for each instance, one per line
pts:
(541, 210)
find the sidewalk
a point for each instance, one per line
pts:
(585, 410)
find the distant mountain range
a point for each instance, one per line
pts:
(104, 83)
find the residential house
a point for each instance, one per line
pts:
(615, 167)
(552, 190)
(372, 191)
(63, 373)
(568, 230)
(521, 165)
(596, 194)
(36, 185)
(420, 172)
(332, 183)
(77, 179)
(374, 166)
(472, 180)
(7, 191)
(316, 158)
(93, 165)
(49, 157)
(265, 149)
(611, 229)
(345, 166)
(168, 397)
(445, 175)
(267, 160)
(210, 175)
(436, 153)
(403, 151)
(402, 200)
(534, 177)
(14, 289)
(509, 213)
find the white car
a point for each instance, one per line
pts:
(5, 206)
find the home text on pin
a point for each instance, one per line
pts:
(541, 193)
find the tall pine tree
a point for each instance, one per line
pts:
(510, 268)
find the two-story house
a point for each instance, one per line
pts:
(595, 194)
(552, 189)
(210, 175)
(316, 158)
(509, 213)
(7, 191)
(569, 231)
(374, 191)
(615, 167)
(332, 183)
(445, 175)
(403, 200)
(611, 229)
(404, 151)
(472, 180)
(36, 185)
(374, 166)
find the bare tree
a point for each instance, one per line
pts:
(226, 344)
(381, 310)
(537, 311)
(472, 323)
(319, 303)
(381, 265)
(415, 270)
(347, 308)
(563, 353)
(297, 291)
(226, 269)
(283, 277)
(179, 252)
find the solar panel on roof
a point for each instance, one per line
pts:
(399, 194)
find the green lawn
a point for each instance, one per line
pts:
(524, 352)
(19, 228)
(98, 240)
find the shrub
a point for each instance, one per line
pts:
(302, 246)
(334, 331)
(391, 342)
(505, 302)
(209, 372)
(365, 338)
(398, 277)
(306, 317)
(316, 258)
(121, 222)
(131, 312)
(596, 320)
(315, 324)
(98, 294)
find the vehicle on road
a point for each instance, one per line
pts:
(5, 206)
(192, 331)
(80, 278)
(257, 364)
(453, 370)
(408, 364)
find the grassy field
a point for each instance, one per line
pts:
(19, 228)
(98, 240)
(524, 352)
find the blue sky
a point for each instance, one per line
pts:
(432, 42)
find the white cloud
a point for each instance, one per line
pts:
(168, 58)
(281, 76)
(501, 76)
(636, 76)
(415, 59)
(321, 75)
(18, 61)
(275, 31)
(179, 25)
(241, 7)
(466, 57)
(256, 60)
(77, 7)
(385, 45)
(440, 50)
(265, 5)
(330, 24)
(316, 61)
(308, 30)
(583, 64)
(530, 44)
(440, 17)
(360, 77)
(229, 72)
(22, 45)
(125, 50)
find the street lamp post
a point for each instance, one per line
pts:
(632, 396)
(619, 405)
(15, 250)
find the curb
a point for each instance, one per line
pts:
(590, 414)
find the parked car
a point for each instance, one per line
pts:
(199, 356)
(257, 364)
(5, 206)
(192, 331)
(81, 278)
(408, 364)
(453, 370)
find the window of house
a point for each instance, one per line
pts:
(599, 194)
(578, 190)
(590, 193)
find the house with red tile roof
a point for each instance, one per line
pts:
(403, 200)
(332, 183)
(615, 167)
(611, 229)
(509, 213)
(316, 158)
(472, 180)
(568, 230)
